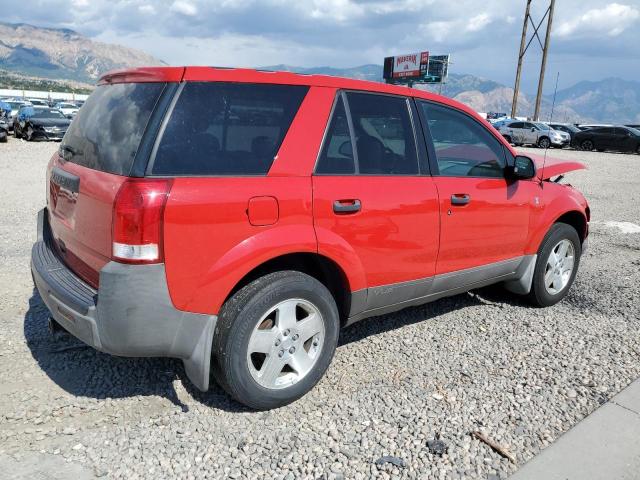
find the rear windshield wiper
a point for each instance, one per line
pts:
(67, 152)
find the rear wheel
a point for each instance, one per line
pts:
(544, 142)
(587, 145)
(638, 150)
(556, 265)
(275, 339)
(508, 138)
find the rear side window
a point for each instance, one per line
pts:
(337, 154)
(227, 128)
(383, 133)
(107, 130)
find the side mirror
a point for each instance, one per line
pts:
(523, 167)
(533, 129)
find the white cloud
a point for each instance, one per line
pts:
(184, 7)
(611, 21)
(147, 9)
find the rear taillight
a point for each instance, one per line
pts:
(137, 220)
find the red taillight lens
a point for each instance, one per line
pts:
(137, 220)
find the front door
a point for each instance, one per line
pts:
(484, 216)
(371, 205)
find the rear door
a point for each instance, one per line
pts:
(95, 157)
(484, 216)
(371, 201)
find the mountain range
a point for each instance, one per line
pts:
(29, 53)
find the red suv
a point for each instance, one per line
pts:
(237, 219)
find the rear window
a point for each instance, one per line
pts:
(106, 132)
(227, 128)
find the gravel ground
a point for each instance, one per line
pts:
(479, 361)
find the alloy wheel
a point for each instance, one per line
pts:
(587, 145)
(559, 267)
(544, 143)
(285, 344)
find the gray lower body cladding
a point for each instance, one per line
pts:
(131, 314)
(517, 273)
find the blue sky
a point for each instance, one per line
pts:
(591, 40)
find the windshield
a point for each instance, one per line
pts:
(542, 126)
(107, 130)
(635, 131)
(47, 113)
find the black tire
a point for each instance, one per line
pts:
(586, 145)
(539, 294)
(638, 150)
(544, 143)
(15, 132)
(508, 138)
(237, 321)
(4, 138)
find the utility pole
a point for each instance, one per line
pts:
(516, 88)
(548, 15)
(543, 65)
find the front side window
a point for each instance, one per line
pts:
(383, 137)
(227, 128)
(463, 147)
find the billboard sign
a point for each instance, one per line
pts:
(416, 67)
(438, 69)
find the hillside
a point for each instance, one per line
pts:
(62, 54)
(611, 100)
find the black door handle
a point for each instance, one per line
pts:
(346, 206)
(460, 198)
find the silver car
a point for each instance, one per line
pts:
(534, 133)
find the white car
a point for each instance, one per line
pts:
(38, 102)
(534, 133)
(68, 109)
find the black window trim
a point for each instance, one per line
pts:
(433, 159)
(341, 93)
(167, 117)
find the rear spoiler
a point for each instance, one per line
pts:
(143, 75)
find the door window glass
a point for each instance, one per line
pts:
(463, 147)
(337, 154)
(382, 127)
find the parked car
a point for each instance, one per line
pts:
(568, 128)
(633, 125)
(34, 123)
(15, 106)
(38, 102)
(620, 138)
(67, 108)
(503, 121)
(243, 217)
(4, 129)
(587, 126)
(534, 133)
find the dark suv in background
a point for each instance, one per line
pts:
(618, 138)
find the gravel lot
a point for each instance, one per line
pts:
(480, 361)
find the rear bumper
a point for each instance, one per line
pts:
(131, 314)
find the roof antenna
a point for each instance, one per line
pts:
(544, 162)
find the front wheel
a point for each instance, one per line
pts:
(556, 265)
(275, 339)
(544, 143)
(587, 145)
